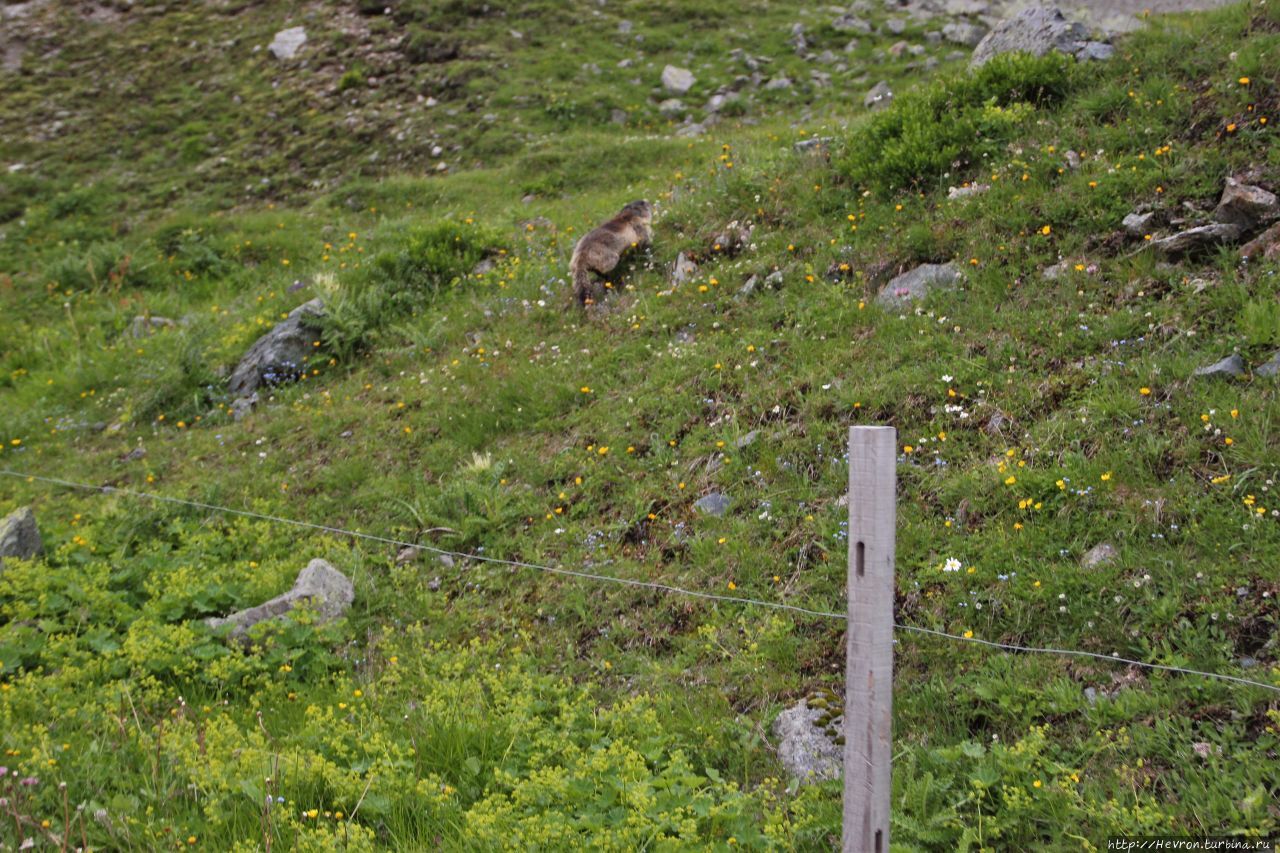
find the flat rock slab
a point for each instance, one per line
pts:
(1230, 367)
(281, 354)
(805, 747)
(1200, 239)
(319, 585)
(19, 536)
(288, 42)
(713, 504)
(917, 284)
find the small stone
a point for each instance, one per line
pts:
(1139, 224)
(135, 454)
(967, 192)
(1096, 51)
(1229, 367)
(677, 80)
(624, 27)
(849, 23)
(1091, 695)
(773, 280)
(672, 107)
(319, 585)
(408, 554)
(964, 33)
(917, 284)
(1247, 662)
(683, 270)
(714, 504)
(144, 327)
(895, 26)
(1271, 368)
(813, 143)
(19, 536)
(749, 287)
(242, 406)
(1246, 206)
(1102, 554)
(747, 440)
(1055, 272)
(778, 83)
(1202, 749)
(879, 96)
(618, 116)
(1072, 159)
(433, 584)
(446, 561)
(287, 43)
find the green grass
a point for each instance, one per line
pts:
(477, 705)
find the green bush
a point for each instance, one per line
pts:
(99, 265)
(426, 261)
(950, 124)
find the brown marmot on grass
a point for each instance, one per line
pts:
(599, 251)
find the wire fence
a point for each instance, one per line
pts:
(658, 587)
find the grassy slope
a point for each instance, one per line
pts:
(507, 704)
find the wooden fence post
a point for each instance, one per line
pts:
(868, 706)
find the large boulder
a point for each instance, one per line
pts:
(1035, 30)
(809, 743)
(281, 354)
(319, 586)
(19, 536)
(917, 284)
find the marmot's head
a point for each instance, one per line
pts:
(640, 208)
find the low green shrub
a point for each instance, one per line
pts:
(950, 124)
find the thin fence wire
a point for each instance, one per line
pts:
(658, 587)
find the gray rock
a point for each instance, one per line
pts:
(1229, 367)
(1246, 206)
(773, 280)
(1102, 554)
(288, 42)
(1139, 224)
(618, 116)
(144, 327)
(917, 284)
(683, 270)
(1055, 272)
(1096, 51)
(749, 287)
(19, 536)
(1272, 367)
(798, 42)
(879, 97)
(677, 80)
(747, 440)
(672, 107)
(408, 554)
(778, 83)
(319, 585)
(1091, 695)
(242, 406)
(713, 504)
(1200, 239)
(850, 23)
(895, 26)
(805, 748)
(691, 130)
(280, 355)
(1265, 245)
(967, 192)
(1072, 159)
(963, 32)
(624, 27)
(735, 237)
(1036, 30)
(813, 142)
(1247, 662)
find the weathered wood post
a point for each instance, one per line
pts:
(868, 705)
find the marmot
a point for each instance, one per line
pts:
(599, 251)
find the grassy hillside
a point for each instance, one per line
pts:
(479, 705)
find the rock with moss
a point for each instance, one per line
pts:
(19, 536)
(281, 354)
(810, 738)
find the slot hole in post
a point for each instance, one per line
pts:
(860, 559)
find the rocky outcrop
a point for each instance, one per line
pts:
(281, 354)
(319, 586)
(19, 536)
